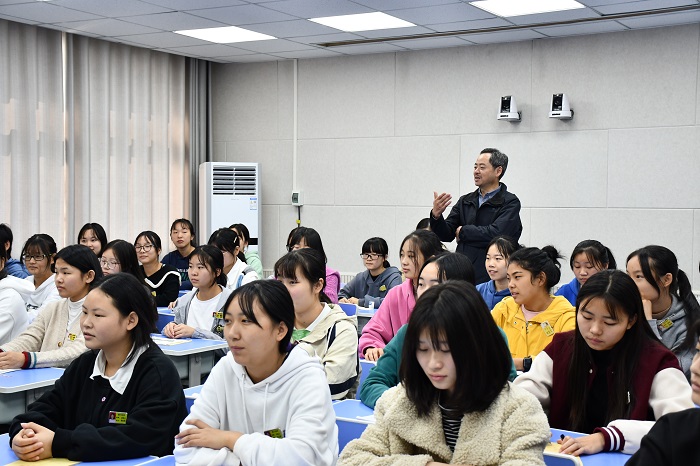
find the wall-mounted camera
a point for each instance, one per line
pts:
(560, 107)
(509, 109)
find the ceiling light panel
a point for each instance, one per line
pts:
(508, 8)
(362, 22)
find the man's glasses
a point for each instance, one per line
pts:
(109, 265)
(36, 258)
(144, 248)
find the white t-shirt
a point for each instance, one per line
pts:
(201, 313)
(235, 273)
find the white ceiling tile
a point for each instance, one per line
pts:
(164, 40)
(503, 36)
(184, 5)
(12, 2)
(601, 2)
(297, 28)
(432, 43)
(17, 20)
(441, 14)
(124, 40)
(642, 6)
(394, 32)
(173, 21)
(469, 25)
(244, 14)
(112, 8)
(318, 8)
(341, 36)
(271, 46)
(316, 53)
(567, 15)
(106, 27)
(662, 20)
(256, 58)
(581, 29)
(388, 5)
(212, 50)
(43, 12)
(361, 49)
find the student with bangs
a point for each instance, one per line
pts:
(267, 401)
(498, 252)
(121, 400)
(236, 270)
(669, 303)
(610, 377)
(531, 316)
(398, 304)
(183, 237)
(437, 269)
(38, 255)
(304, 237)
(200, 313)
(163, 280)
(455, 404)
(589, 257)
(250, 257)
(120, 256)
(94, 237)
(54, 338)
(321, 328)
(372, 285)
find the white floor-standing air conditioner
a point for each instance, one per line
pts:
(229, 192)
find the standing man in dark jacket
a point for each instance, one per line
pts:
(480, 216)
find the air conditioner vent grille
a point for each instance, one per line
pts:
(234, 180)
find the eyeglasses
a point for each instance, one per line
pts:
(370, 256)
(144, 248)
(109, 265)
(37, 258)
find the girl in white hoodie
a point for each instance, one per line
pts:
(263, 403)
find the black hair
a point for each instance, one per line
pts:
(310, 237)
(98, 231)
(600, 256)
(226, 240)
(3, 262)
(126, 256)
(153, 238)
(129, 295)
(5, 236)
(452, 266)
(424, 224)
(505, 245)
(273, 298)
(424, 241)
(656, 261)
(213, 259)
(183, 222)
(621, 296)
(242, 231)
(455, 313)
(309, 262)
(82, 258)
(377, 245)
(44, 244)
(539, 261)
(497, 159)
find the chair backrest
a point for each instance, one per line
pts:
(560, 459)
(349, 309)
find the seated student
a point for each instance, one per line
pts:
(38, 254)
(320, 328)
(531, 316)
(399, 302)
(120, 256)
(266, 402)
(669, 303)
(163, 280)
(121, 400)
(183, 237)
(589, 257)
(304, 237)
(439, 414)
(54, 338)
(237, 271)
(437, 269)
(497, 253)
(13, 267)
(673, 441)
(250, 257)
(372, 285)
(609, 376)
(200, 313)
(13, 317)
(93, 236)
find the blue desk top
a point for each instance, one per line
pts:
(28, 379)
(349, 410)
(196, 345)
(599, 459)
(7, 456)
(165, 311)
(192, 392)
(162, 461)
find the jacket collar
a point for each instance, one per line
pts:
(498, 199)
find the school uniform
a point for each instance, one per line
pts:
(391, 315)
(182, 265)
(490, 295)
(658, 388)
(672, 331)
(134, 413)
(673, 441)
(163, 284)
(569, 291)
(239, 275)
(213, 332)
(368, 289)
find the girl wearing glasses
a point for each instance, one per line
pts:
(38, 256)
(54, 339)
(120, 256)
(163, 280)
(372, 285)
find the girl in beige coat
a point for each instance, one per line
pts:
(455, 404)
